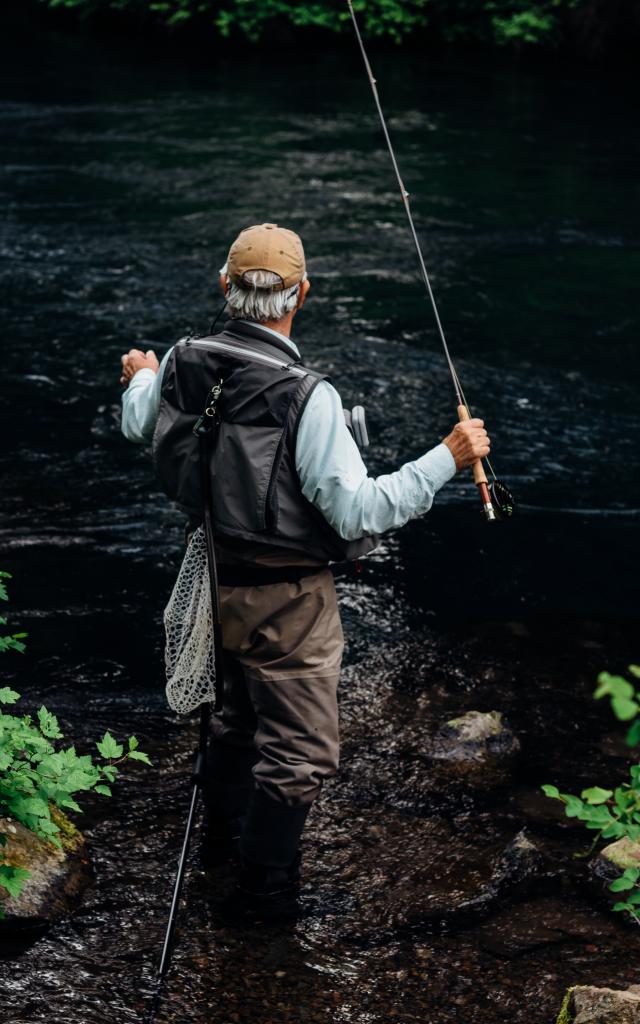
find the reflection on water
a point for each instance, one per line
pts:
(123, 186)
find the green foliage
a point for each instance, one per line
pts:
(12, 641)
(624, 698)
(503, 22)
(614, 813)
(38, 774)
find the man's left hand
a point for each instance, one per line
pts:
(136, 360)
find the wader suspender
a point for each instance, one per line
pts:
(204, 429)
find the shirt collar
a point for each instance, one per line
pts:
(276, 334)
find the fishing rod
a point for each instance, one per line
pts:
(497, 500)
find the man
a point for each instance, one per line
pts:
(290, 494)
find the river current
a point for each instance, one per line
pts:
(123, 182)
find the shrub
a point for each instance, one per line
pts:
(614, 813)
(38, 773)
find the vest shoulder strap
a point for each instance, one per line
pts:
(272, 357)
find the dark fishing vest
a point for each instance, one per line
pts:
(256, 493)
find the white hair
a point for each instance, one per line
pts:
(258, 301)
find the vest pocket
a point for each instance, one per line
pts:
(244, 461)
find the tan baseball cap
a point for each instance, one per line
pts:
(267, 247)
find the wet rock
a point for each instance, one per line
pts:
(478, 748)
(547, 921)
(58, 879)
(518, 863)
(586, 1004)
(609, 864)
(410, 871)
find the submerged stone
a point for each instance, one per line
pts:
(586, 1004)
(543, 922)
(401, 871)
(58, 879)
(478, 748)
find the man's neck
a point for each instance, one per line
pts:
(280, 326)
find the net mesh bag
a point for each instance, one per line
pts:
(188, 625)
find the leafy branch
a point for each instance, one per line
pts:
(614, 813)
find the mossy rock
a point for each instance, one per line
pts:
(610, 863)
(478, 748)
(586, 1004)
(59, 877)
(622, 854)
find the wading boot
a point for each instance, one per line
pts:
(268, 893)
(227, 792)
(269, 872)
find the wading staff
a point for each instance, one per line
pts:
(203, 430)
(497, 500)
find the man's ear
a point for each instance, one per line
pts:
(303, 291)
(225, 284)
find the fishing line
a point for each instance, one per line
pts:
(502, 498)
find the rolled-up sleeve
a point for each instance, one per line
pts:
(141, 403)
(334, 478)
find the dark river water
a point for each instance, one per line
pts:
(123, 183)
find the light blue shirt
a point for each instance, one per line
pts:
(332, 475)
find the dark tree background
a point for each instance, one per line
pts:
(585, 28)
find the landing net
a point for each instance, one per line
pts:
(188, 625)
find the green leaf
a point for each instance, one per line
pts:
(108, 747)
(103, 790)
(68, 802)
(35, 805)
(11, 643)
(635, 671)
(551, 791)
(596, 795)
(633, 735)
(49, 724)
(574, 808)
(12, 879)
(624, 708)
(137, 755)
(615, 831)
(8, 696)
(49, 827)
(622, 884)
(623, 906)
(613, 686)
(133, 743)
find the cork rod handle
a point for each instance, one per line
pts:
(479, 475)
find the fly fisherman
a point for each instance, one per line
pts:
(290, 494)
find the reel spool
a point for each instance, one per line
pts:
(502, 499)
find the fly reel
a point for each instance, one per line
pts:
(504, 504)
